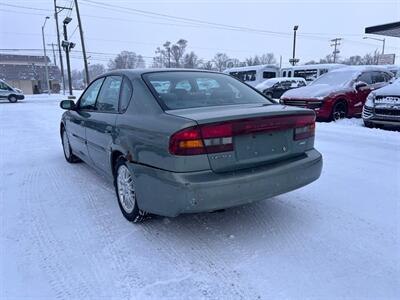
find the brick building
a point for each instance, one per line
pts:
(27, 72)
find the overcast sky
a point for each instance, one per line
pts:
(115, 28)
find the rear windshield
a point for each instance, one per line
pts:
(179, 90)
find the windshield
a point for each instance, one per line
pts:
(179, 90)
(335, 78)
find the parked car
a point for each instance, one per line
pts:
(191, 148)
(383, 106)
(10, 93)
(274, 88)
(339, 93)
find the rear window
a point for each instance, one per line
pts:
(179, 90)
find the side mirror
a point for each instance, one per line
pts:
(360, 85)
(67, 104)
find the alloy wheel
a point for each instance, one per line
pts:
(126, 189)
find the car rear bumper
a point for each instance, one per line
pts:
(170, 194)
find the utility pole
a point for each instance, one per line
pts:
(57, 9)
(54, 53)
(294, 60)
(45, 57)
(87, 79)
(67, 46)
(336, 43)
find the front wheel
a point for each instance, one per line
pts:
(69, 156)
(125, 187)
(12, 98)
(339, 111)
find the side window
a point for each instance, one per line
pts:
(290, 74)
(269, 74)
(126, 95)
(284, 74)
(378, 77)
(365, 77)
(109, 95)
(88, 99)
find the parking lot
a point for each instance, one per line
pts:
(62, 234)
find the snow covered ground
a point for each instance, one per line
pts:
(62, 234)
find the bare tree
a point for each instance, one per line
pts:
(96, 70)
(220, 60)
(268, 59)
(177, 52)
(208, 65)
(191, 61)
(126, 60)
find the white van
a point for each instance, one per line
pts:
(253, 75)
(309, 72)
(10, 93)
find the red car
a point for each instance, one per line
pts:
(340, 93)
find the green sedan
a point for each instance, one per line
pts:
(183, 141)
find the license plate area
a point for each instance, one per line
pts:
(263, 145)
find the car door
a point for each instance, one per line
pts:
(4, 90)
(76, 119)
(100, 125)
(360, 96)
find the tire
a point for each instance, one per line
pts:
(369, 124)
(69, 156)
(339, 111)
(125, 188)
(12, 98)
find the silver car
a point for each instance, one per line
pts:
(10, 93)
(175, 141)
(383, 106)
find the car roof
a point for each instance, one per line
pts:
(140, 72)
(361, 69)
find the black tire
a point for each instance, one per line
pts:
(129, 207)
(12, 98)
(369, 124)
(339, 111)
(69, 156)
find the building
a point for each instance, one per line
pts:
(28, 73)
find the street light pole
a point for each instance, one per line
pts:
(67, 47)
(45, 56)
(376, 39)
(294, 60)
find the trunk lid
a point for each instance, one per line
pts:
(262, 134)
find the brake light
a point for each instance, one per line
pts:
(305, 132)
(218, 137)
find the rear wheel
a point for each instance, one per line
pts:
(125, 187)
(69, 156)
(339, 111)
(12, 98)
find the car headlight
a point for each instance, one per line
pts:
(370, 100)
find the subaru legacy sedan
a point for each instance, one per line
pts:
(178, 141)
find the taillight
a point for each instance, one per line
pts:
(218, 137)
(187, 142)
(301, 133)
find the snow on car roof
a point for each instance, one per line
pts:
(361, 69)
